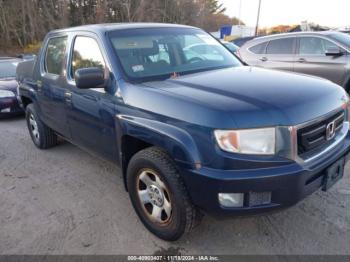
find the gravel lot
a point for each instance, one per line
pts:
(65, 201)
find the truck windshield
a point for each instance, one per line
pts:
(160, 53)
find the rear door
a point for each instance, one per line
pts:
(311, 59)
(280, 54)
(253, 55)
(51, 86)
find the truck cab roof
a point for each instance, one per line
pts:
(102, 28)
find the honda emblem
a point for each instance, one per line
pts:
(330, 130)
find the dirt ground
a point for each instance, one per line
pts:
(65, 201)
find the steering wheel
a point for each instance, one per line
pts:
(195, 60)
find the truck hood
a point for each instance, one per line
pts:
(241, 97)
(250, 97)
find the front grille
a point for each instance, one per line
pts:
(313, 137)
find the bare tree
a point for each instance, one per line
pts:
(24, 22)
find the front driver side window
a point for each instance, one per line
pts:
(86, 53)
(315, 46)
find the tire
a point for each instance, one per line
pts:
(347, 87)
(42, 136)
(148, 171)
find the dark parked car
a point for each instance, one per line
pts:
(26, 56)
(323, 54)
(9, 105)
(192, 133)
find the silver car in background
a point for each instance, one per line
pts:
(323, 54)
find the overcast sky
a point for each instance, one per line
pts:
(333, 13)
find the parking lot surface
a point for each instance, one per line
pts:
(66, 201)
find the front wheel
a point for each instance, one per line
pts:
(159, 196)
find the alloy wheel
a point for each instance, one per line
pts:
(34, 127)
(154, 197)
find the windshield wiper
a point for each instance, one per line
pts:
(195, 71)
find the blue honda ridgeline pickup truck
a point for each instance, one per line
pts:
(193, 129)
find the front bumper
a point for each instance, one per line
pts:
(10, 106)
(288, 184)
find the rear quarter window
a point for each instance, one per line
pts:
(258, 49)
(54, 57)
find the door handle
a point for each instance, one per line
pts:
(301, 60)
(68, 96)
(39, 84)
(263, 59)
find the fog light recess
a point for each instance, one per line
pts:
(259, 198)
(231, 199)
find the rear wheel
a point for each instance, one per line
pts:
(43, 137)
(159, 196)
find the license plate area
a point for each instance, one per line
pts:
(6, 110)
(333, 174)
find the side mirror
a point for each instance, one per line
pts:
(334, 52)
(92, 77)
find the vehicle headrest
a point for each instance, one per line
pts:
(136, 45)
(154, 50)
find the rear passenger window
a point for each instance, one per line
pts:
(284, 46)
(258, 49)
(55, 52)
(86, 54)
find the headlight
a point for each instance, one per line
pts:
(346, 106)
(260, 141)
(6, 93)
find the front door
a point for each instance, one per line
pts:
(90, 112)
(311, 59)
